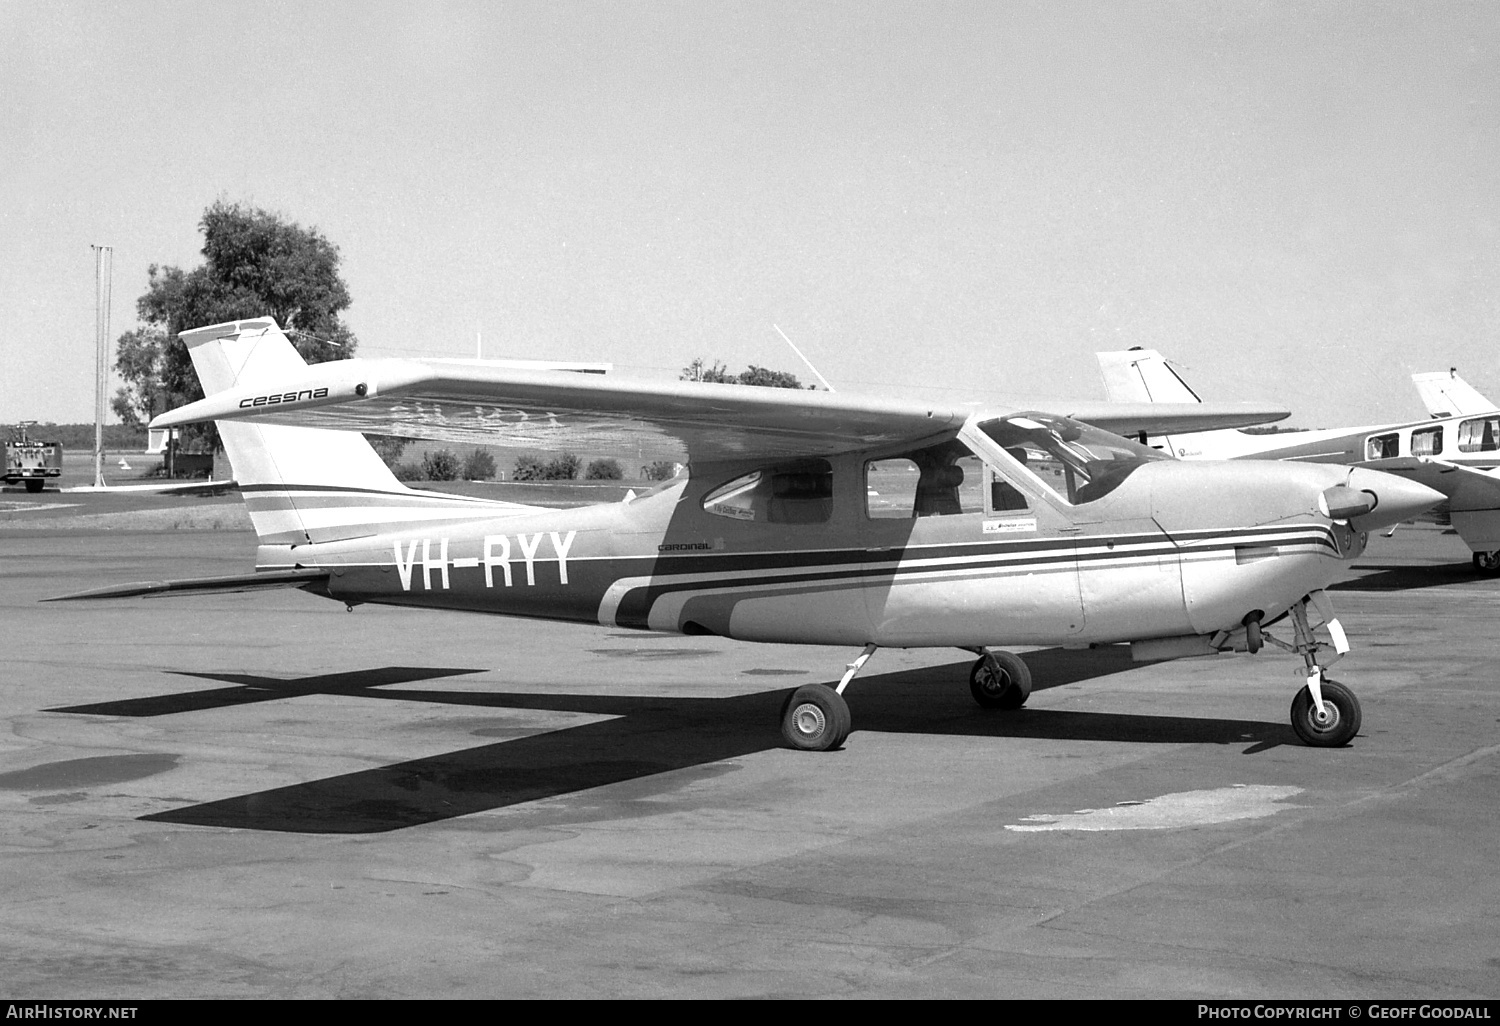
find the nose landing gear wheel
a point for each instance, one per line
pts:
(1339, 722)
(1487, 562)
(1000, 680)
(815, 718)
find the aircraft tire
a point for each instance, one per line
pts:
(1000, 680)
(34, 485)
(1343, 716)
(1487, 563)
(815, 718)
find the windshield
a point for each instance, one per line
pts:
(1078, 462)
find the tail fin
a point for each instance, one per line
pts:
(1145, 376)
(304, 485)
(1448, 395)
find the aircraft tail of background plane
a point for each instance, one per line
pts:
(1445, 394)
(1145, 376)
(304, 485)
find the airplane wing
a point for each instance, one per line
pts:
(549, 410)
(1467, 488)
(302, 577)
(1445, 394)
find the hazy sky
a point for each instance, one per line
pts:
(1298, 202)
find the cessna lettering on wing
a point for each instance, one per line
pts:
(496, 555)
(284, 397)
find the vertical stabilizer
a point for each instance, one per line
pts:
(1145, 376)
(1445, 394)
(291, 477)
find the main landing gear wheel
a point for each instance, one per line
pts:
(1487, 562)
(815, 718)
(1000, 680)
(1339, 722)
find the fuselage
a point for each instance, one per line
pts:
(962, 542)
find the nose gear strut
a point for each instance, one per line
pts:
(1325, 714)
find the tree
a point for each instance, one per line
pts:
(388, 447)
(604, 470)
(440, 465)
(138, 356)
(696, 371)
(480, 466)
(768, 378)
(699, 371)
(256, 264)
(563, 468)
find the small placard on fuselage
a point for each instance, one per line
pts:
(1010, 525)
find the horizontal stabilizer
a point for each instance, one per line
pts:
(302, 577)
(194, 487)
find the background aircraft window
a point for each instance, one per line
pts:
(1482, 435)
(1379, 447)
(800, 493)
(1427, 441)
(940, 480)
(1078, 462)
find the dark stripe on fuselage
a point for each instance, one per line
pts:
(635, 607)
(591, 578)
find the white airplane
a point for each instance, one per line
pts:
(1455, 455)
(1448, 395)
(802, 517)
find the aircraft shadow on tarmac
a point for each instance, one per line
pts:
(1394, 577)
(645, 736)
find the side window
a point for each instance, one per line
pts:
(1379, 447)
(1427, 441)
(1479, 435)
(940, 480)
(1005, 496)
(800, 493)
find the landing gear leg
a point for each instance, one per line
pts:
(1325, 714)
(815, 718)
(1000, 680)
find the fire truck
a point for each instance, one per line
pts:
(31, 462)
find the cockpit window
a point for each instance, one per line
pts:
(1079, 462)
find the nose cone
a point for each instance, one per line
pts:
(1396, 499)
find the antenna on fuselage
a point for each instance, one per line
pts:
(803, 358)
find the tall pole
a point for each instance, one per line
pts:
(104, 258)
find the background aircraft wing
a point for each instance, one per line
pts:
(1467, 488)
(1170, 418)
(543, 410)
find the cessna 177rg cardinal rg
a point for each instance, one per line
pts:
(803, 517)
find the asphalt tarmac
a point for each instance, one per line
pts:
(264, 795)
